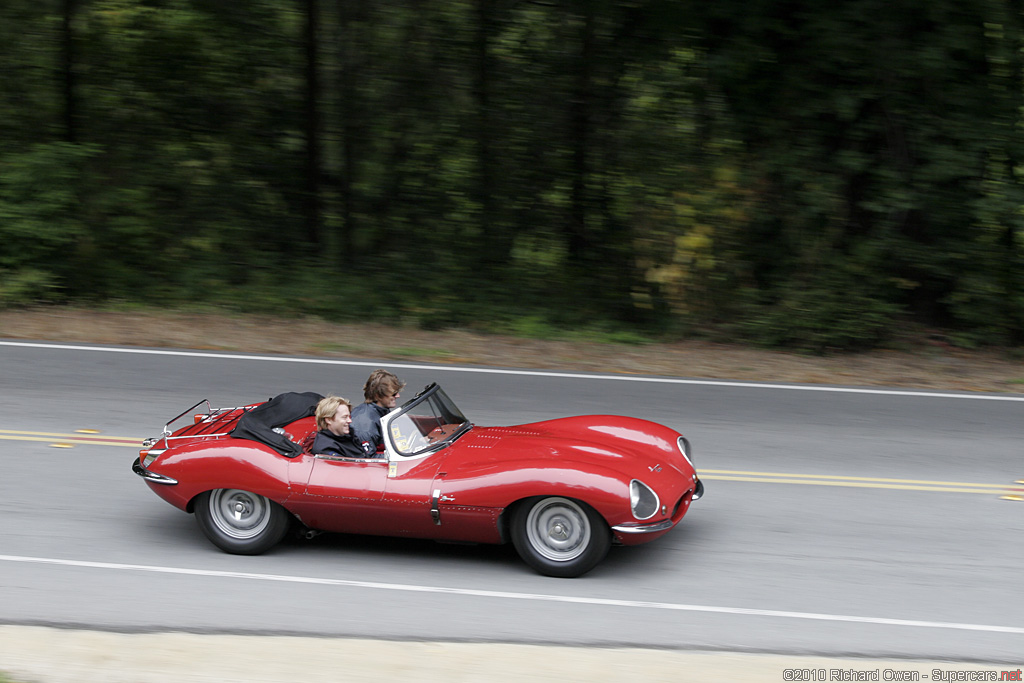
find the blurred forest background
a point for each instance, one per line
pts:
(782, 172)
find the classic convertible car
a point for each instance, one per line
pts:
(562, 491)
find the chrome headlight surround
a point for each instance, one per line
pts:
(685, 449)
(643, 501)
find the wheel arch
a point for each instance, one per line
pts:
(509, 512)
(270, 494)
(602, 489)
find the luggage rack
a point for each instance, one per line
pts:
(203, 424)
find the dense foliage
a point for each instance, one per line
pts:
(790, 172)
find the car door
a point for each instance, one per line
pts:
(409, 505)
(344, 495)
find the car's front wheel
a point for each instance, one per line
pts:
(559, 536)
(241, 522)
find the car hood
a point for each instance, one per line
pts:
(615, 442)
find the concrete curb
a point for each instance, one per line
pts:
(34, 654)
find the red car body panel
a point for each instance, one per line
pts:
(227, 463)
(462, 491)
(589, 458)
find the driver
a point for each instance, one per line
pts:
(381, 392)
(333, 418)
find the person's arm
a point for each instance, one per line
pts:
(325, 445)
(365, 429)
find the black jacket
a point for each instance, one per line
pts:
(345, 445)
(366, 425)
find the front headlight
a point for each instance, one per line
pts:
(684, 448)
(642, 500)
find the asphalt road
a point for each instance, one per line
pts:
(835, 522)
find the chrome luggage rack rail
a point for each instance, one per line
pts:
(210, 418)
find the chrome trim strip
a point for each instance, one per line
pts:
(684, 447)
(138, 469)
(644, 528)
(347, 458)
(698, 492)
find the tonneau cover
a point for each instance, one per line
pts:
(258, 424)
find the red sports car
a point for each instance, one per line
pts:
(562, 491)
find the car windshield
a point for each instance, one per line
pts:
(429, 422)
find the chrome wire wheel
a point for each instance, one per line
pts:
(558, 536)
(558, 529)
(239, 514)
(241, 522)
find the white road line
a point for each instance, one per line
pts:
(524, 373)
(504, 595)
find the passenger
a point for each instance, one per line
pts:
(381, 392)
(333, 419)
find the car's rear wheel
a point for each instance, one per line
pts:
(559, 536)
(241, 522)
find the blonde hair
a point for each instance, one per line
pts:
(327, 407)
(380, 385)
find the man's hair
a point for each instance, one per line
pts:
(380, 385)
(327, 407)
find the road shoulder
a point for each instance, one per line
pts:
(49, 655)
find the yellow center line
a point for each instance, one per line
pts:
(69, 436)
(861, 484)
(829, 477)
(75, 441)
(127, 441)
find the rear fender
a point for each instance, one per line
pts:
(233, 464)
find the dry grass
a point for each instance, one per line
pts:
(933, 366)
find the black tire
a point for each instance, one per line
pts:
(559, 536)
(240, 522)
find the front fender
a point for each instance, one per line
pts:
(604, 490)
